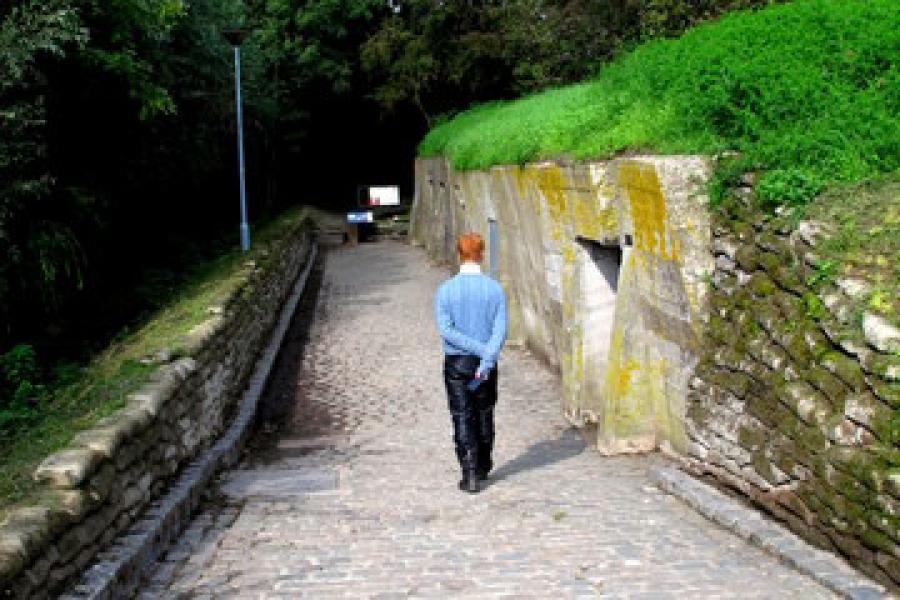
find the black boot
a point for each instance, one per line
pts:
(485, 435)
(469, 481)
(484, 469)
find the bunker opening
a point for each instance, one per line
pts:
(599, 264)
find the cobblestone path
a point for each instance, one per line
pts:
(350, 491)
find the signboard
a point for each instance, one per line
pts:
(384, 196)
(360, 217)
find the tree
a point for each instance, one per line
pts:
(443, 56)
(41, 253)
(438, 57)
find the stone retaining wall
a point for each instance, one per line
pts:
(603, 264)
(100, 485)
(795, 401)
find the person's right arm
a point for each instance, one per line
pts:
(450, 333)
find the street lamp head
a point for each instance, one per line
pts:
(235, 35)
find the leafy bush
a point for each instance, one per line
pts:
(794, 187)
(809, 90)
(20, 385)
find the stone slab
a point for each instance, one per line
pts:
(279, 482)
(749, 524)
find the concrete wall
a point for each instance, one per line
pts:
(795, 401)
(604, 266)
(102, 483)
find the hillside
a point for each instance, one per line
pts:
(808, 92)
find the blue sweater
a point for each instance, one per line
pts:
(470, 310)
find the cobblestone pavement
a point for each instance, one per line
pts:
(351, 491)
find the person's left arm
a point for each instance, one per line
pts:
(495, 342)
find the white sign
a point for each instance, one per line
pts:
(384, 196)
(360, 217)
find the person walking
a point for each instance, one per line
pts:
(470, 310)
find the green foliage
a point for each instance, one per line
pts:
(808, 88)
(725, 178)
(20, 375)
(826, 271)
(20, 386)
(862, 241)
(29, 33)
(440, 57)
(793, 187)
(77, 79)
(308, 54)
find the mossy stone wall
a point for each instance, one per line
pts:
(101, 484)
(793, 403)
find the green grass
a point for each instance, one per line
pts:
(807, 91)
(98, 388)
(865, 241)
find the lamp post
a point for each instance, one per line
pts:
(235, 37)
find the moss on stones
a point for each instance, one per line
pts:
(769, 262)
(789, 278)
(763, 467)
(791, 306)
(751, 438)
(878, 541)
(844, 369)
(719, 329)
(762, 286)
(830, 386)
(736, 383)
(787, 347)
(806, 402)
(816, 341)
(747, 257)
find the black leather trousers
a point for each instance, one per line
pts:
(472, 413)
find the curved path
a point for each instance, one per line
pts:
(350, 490)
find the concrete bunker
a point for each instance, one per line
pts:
(604, 266)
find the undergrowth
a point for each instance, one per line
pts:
(807, 92)
(44, 417)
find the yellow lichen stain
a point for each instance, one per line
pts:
(569, 299)
(527, 186)
(531, 187)
(521, 181)
(591, 221)
(618, 368)
(573, 366)
(549, 182)
(568, 252)
(633, 392)
(578, 367)
(648, 210)
(567, 374)
(593, 214)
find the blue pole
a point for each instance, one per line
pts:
(245, 228)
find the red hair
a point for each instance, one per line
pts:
(470, 247)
